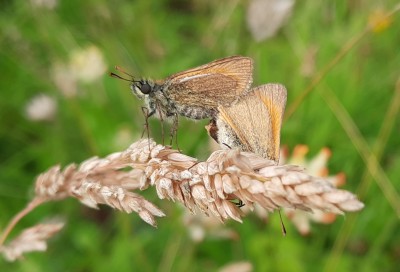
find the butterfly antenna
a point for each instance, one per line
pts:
(120, 69)
(119, 77)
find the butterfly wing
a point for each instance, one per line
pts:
(220, 82)
(255, 120)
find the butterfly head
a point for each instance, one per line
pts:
(142, 88)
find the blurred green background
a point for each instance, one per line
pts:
(65, 49)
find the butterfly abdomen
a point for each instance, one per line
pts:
(195, 112)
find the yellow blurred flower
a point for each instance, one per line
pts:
(378, 20)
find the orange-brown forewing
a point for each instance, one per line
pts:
(220, 82)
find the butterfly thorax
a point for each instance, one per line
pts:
(159, 103)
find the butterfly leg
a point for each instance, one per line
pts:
(174, 131)
(160, 115)
(146, 115)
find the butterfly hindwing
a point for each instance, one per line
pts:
(255, 120)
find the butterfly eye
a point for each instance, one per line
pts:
(145, 89)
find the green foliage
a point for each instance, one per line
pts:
(156, 39)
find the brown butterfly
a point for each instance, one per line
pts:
(253, 123)
(196, 93)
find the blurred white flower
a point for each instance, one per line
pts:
(242, 266)
(41, 108)
(64, 79)
(265, 17)
(49, 4)
(87, 64)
